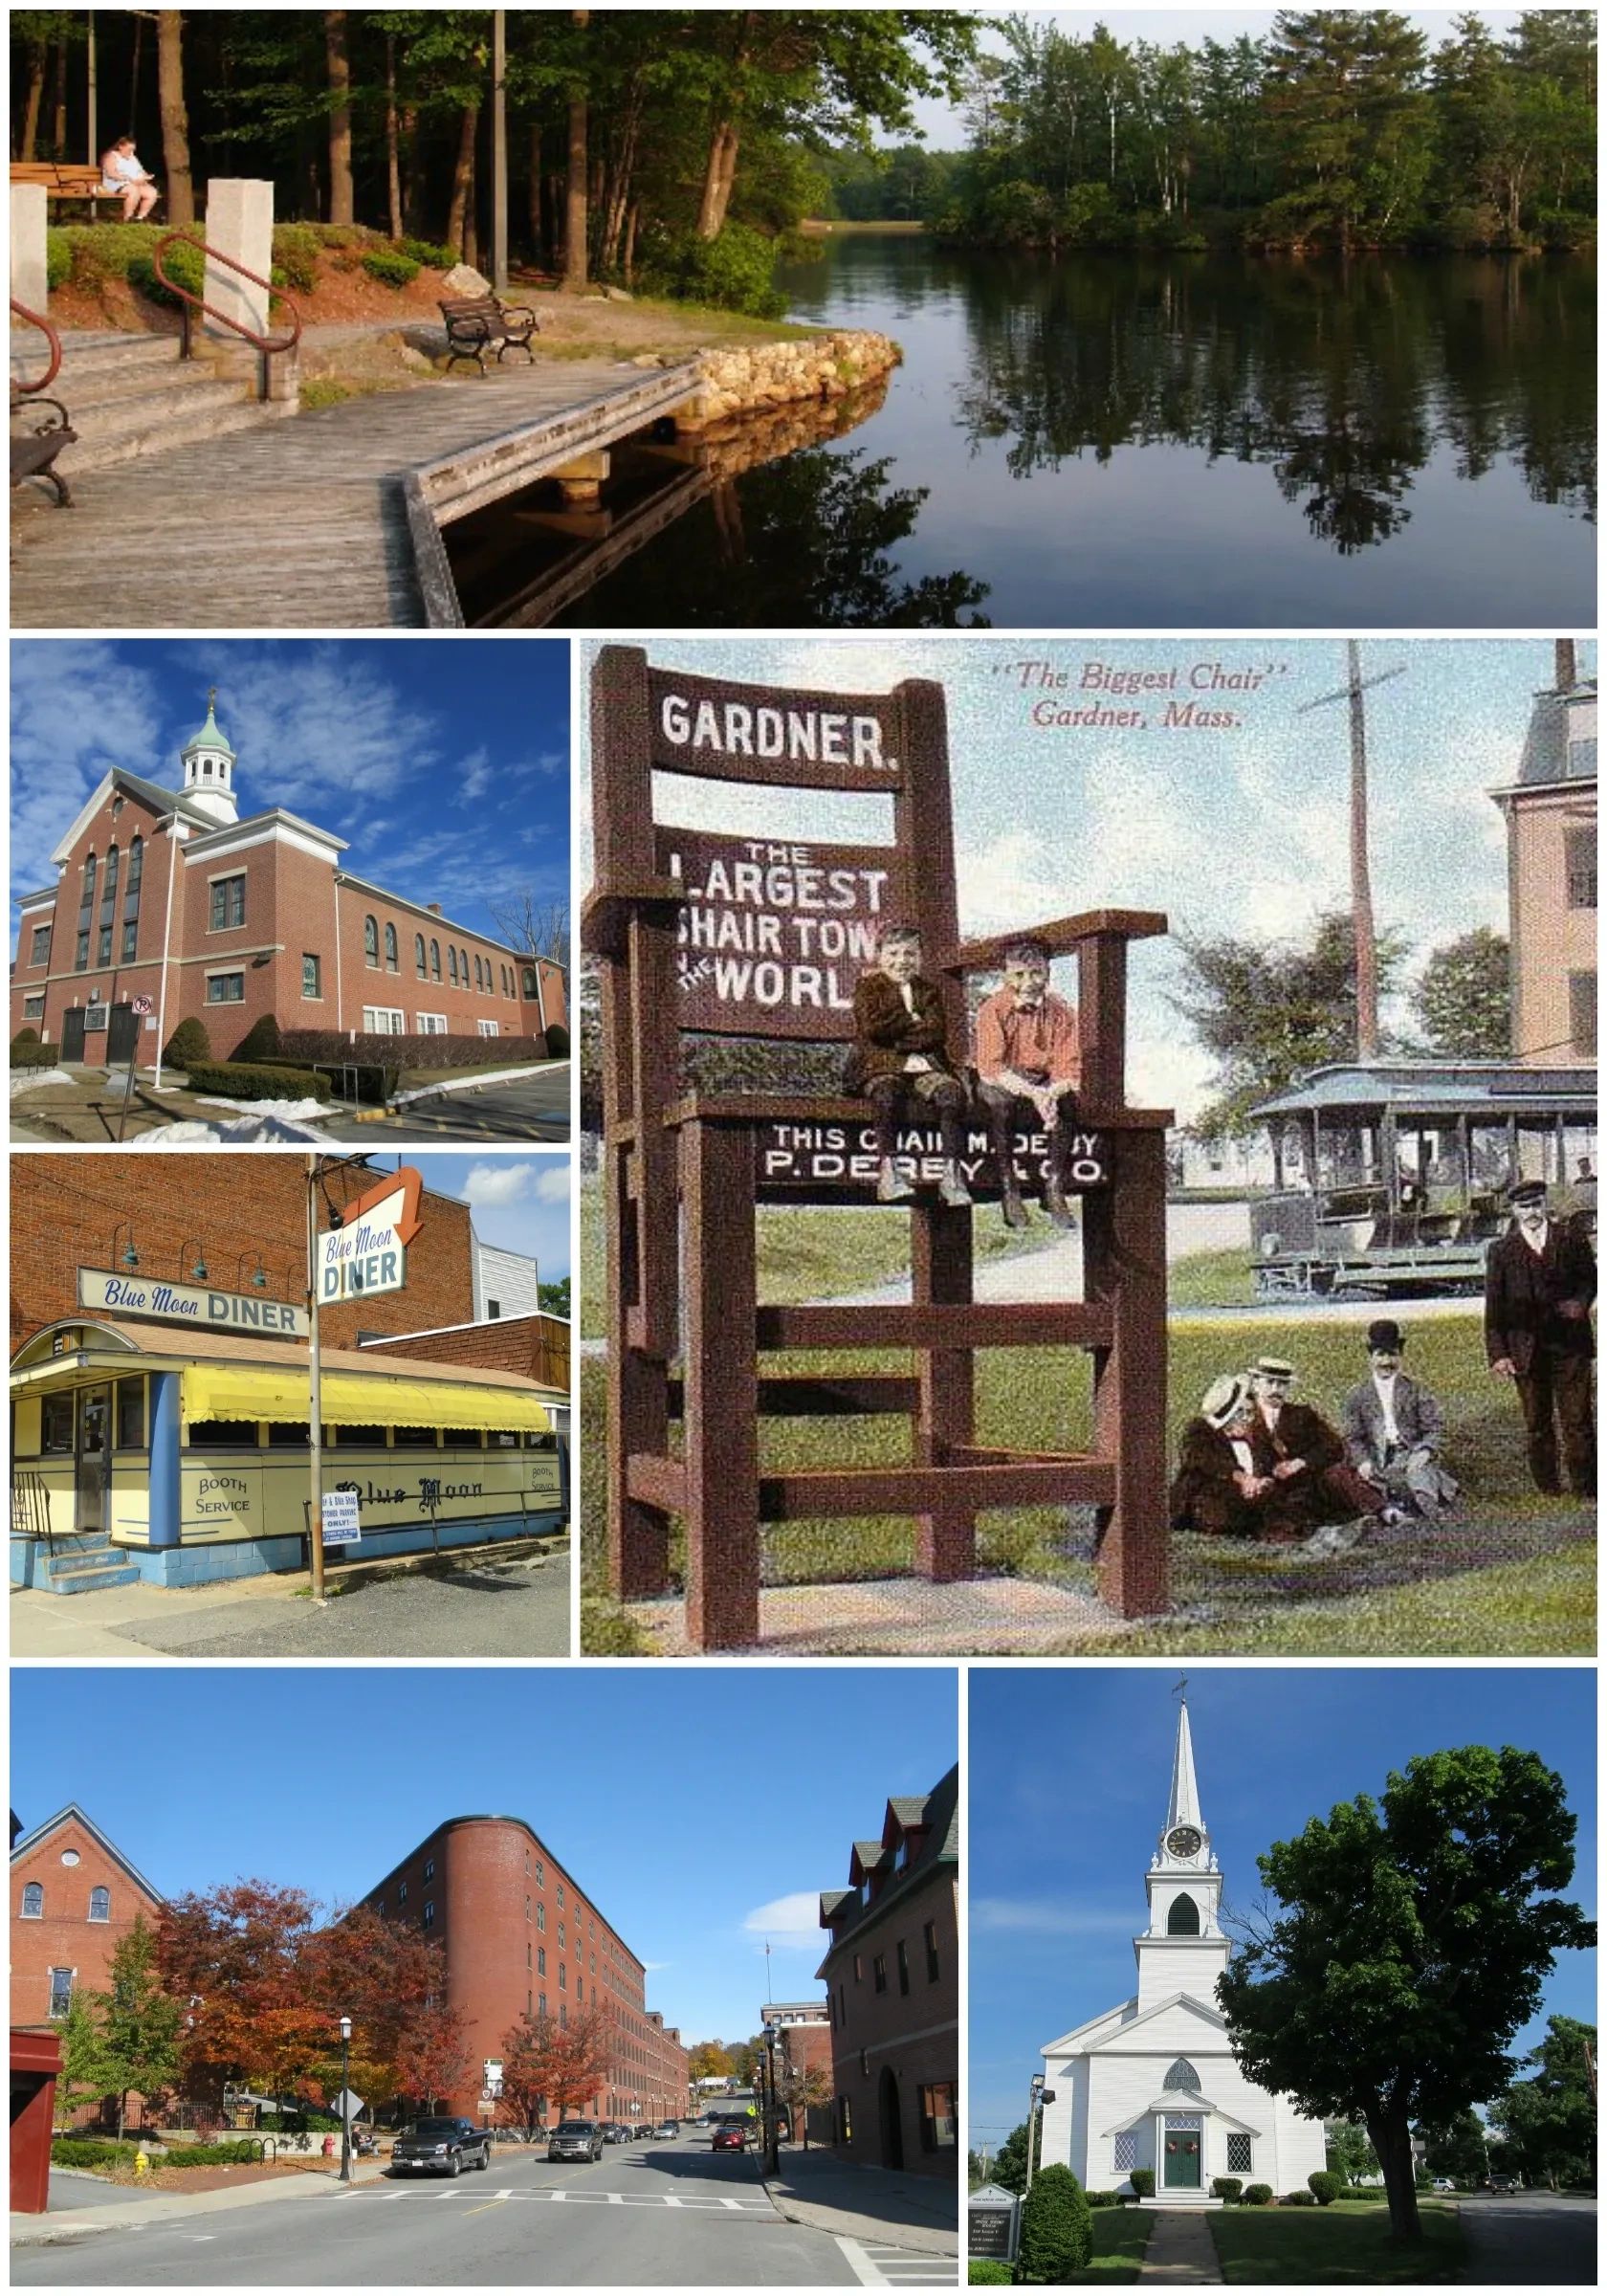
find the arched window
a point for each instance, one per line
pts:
(87, 902)
(529, 981)
(451, 962)
(99, 1905)
(418, 955)
(434, 961)
(371, 939)
(32, 1901)
(1183, 1917)
(479, 971)
(1183, 2075)
(390, 949)
(463, 966)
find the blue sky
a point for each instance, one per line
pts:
(702, 1808)
(520, 1203)
(1069, 1771)
(444, 763)
(942, 125)
(1241, 830)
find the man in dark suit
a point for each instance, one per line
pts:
(1392, 1429)
(1220, 1486)
(1539, 1283)
(899, 1061)
(1318, 1488)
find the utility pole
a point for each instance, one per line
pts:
(1361, 878)
(315, 1424)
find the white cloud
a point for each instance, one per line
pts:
(792, 1921)
(504, 1182)
(1031, 1916)
(552, 1184)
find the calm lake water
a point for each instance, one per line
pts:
(1194, 441)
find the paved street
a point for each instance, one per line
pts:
(647, 2215)
(535, 1108)
(1544, 2239)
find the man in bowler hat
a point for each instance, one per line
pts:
(1392, 1429)
(1539, 1283)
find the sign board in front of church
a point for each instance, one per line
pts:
(992, 2223)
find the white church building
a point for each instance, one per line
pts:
(1153, 2082)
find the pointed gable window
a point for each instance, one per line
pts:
(1183, 1917)
(1183, 2075)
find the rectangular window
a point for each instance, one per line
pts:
(931, 1936)
(225, 988)
(402, 1894)
(490, 1028)
(1579, 850)
(104, 945)
(80, 958)
(430, 1023)
(228, 903)
(938, 2115)
(312, 976)
(540, 1910)
(1581, 1014)
(430, 1913)
(55, 1424)
(130, 940)
(359, 1439)
(879, 1973)
(859, 1968)
(413, 1439)
(288, 1434)
(541, 1960)
(903, 1967)
(61, 1992)
(222, 1435)
(1241, 2154)
(564, 1976)
(1124, 2152)
(41, 946)
(383, 1019)
(131, 1415)
(34, 1007)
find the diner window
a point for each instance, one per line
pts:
(500, 1439)
(391, 959)
(225, 988)
(413, 1439)
(228, 903)
(32, 1901)
(371, 941)
(434, 961)
(223, 1435)
(61, 1992)
(352, 1439)
(311, 974)
(937, 2115)
(290, 1435)
(131, 1415)
(41, 946)
(99, 1905)
(421, 963)
(55, 1424)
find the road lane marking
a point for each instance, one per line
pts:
(496, 2200)
(614, 2199)
(674, 2200)
(731, 2204)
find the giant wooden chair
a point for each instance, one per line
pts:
(685, 1169)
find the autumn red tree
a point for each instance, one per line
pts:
(432, 2062)
(385, 1976)
(234, 1958)
(584, 2056)
(529, 2070)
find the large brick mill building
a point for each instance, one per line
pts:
(168, 907)
(892, 1975)
(520, 1937)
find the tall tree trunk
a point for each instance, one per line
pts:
(341, 209)
(37, 55)
(58, 104)
(718, 176)
(134, 60)
(463, 176)
(393, 150)
(537, 245)
(412, 181)
(179, 185)
(575, 200)
(629, 258)
(1392, 2141)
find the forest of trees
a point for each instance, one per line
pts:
(674, 141)
(1340, 129)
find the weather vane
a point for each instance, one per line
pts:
(1179, 1687)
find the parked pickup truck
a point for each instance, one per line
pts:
(439, 2146)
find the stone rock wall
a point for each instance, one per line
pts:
(758, 377)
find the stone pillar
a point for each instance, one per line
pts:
(166, 1501)
(239, 223)
(28, 249)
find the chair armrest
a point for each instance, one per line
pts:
(606, 914)
(1061, 935)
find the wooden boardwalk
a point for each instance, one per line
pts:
(302, 523)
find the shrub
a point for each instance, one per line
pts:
(260, 1042)
(58, 259)
(25, 1036)
(89, 2151)
(183, 262)
(213, 2156)
(1325, 2186)
(238, 1081)
(1299, 2201)
(430, 252)
(1227, 2188)
(390, 266)
(295, 252)
(988, 2272)
(734, 273)
(557, 1041)
(188, 1041)
(34, 1056)
(1056, 2228)
(1142, 2181)
(1103, 2200)
(1258, 2195)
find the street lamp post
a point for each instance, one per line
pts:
(1034, 2102)
(772, 2120)
(345, 2100)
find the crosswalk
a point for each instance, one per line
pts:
(876, 2266)
(723, 2205)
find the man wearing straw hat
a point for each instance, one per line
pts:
(1318, 1489)
(1220, 1487)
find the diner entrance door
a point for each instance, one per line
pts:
(91, 1458)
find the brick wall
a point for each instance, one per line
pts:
(64, 1209)
(64, 1937)
(915, 2036)
(536, 1346)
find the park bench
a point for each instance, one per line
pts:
(64, 179)
(34, 450)
(476, 321)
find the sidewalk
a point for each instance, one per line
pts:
(817, 2188)
(1180, 2248)
(125, 2211)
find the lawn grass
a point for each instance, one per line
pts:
(1211, 1279)
(1120, 2237)
(1299, 2245)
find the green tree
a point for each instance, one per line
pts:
(1269, 1011)
(1349, 2151)
(1408, 1945)
(84, 2078)
(1056, 2228)
(1463, 1001)
(1009, 2162)
(1549, 2120)
(140, 2022)
(554, 1298)
(1346, 100)
(1458, 2148)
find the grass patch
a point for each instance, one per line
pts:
(1211, 1279)
(1120, 2237)
(1299, 2245)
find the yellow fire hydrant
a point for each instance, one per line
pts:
(142, 2166)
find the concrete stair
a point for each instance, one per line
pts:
(84, 1568)
(128, 396)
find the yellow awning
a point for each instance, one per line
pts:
(349, 1400)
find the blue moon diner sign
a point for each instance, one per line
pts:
(197, 1305)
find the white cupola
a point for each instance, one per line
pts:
(209, 768)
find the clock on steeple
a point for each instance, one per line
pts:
(1185, 1841)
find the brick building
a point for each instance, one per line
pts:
(892, 1974)
(73, 1897)
(167, 895)
(1552, 871)
(520, 1936)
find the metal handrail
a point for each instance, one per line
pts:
(267, 344)
(30, 1501)
(34, 319)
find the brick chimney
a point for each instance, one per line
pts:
(435, 908)
(1567, 668)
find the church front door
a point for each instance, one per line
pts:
(1180, 2154)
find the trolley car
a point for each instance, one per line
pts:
(1391, 1178)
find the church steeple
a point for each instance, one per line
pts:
(208, 767)
(1183, 1806)
(1183, 1948)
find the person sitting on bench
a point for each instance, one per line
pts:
(899, 1061)
(1028, 1072)
(121, 174)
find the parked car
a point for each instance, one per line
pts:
(575, 2140)
(729, 2137)
(1501, 2184)
(1443, 2184)
(440, 2146)
(615, 2132)
(642, 2128)
(666, 2128)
